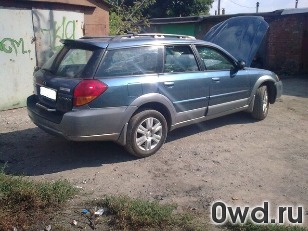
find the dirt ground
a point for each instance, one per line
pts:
(234, 159)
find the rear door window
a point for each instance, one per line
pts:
(129, 61)
(179, 59)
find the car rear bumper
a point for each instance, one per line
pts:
(82, 125)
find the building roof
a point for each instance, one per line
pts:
(193, 19)
(295, 11)
(72, 2)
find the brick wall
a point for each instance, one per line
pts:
(97, 20)
(284, 43)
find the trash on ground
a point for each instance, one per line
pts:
(47, 228)
(85, 211)
(99, 212)
(74, 222)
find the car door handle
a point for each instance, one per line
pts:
(169, 84)
(216, 79)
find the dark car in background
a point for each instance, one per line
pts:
(132, 89)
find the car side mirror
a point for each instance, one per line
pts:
(241, 64)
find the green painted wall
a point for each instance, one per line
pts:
(185, 29)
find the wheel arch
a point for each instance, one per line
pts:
(161, 108)
(152, 101)
(270, 83)
(272, 92)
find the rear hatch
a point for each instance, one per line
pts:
(56, 81)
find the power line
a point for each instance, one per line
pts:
(250, 7)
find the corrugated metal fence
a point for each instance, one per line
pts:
(27, 39)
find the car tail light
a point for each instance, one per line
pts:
(87, 90)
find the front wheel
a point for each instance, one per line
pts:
(146, 133)
(261, 104)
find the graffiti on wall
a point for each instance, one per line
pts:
(10, 45)
(64, 29)
(50, 26)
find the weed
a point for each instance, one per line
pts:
(137, 214)
(249, 226)
(25, 202)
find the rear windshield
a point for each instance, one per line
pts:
(73, 62)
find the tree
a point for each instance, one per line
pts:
(178, 8)
(127, 15)
(131, 15)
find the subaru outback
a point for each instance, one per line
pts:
(133, 89)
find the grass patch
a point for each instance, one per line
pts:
(136, 214)
(249, 226)
(25, 202)
(29, 205)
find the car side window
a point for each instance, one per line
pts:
(129, 61)
(179, 59)
(214, 60)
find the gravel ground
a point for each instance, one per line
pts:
(234, 159)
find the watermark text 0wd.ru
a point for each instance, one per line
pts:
(222, 213)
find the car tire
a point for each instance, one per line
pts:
(146, 133)
(261, 104)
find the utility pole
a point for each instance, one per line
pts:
(296, 2)
(118, 6)
(257, 7)
(218, 7)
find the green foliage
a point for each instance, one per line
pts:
(132, 15)
(249, 226)
(115, 24)
(24, 202)
(137, 214)
(127, 16)
(179, 8)
(19, 191)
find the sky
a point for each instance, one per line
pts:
(249, 6)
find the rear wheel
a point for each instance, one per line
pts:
(146, 133)
(261, 104)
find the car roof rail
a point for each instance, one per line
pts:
(161, 35)
(125, 36)
(133, 35)
(97, 37)
(151, 35)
